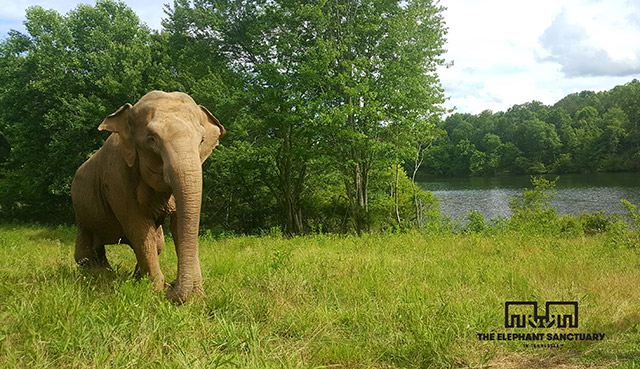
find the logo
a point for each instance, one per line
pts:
(557, 314)
(560, 314)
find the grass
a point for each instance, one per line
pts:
(376, 301)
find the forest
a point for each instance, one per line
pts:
(333, 109)
(584, 132)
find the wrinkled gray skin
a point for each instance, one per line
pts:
(149, 168)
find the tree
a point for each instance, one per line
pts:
(492, 146)
(272, 46)
(462, 158)
(538, 140)
(422, 138)
(59, 80)
(574, 102)
(379, 71)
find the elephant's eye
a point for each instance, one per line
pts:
(151, 141)
(201, 140)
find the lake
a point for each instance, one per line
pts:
(575, 193)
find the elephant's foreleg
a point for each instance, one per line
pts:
(145, 246)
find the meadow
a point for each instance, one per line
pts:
(319, 149)
(389, 300)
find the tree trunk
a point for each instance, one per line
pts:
(290, 188)
(417, 163)
(294, 217)
(361, 198)
(396, 195)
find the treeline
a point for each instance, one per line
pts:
(582, 133)
(327, 105)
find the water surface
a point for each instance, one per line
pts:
(575, 193)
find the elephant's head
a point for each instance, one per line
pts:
(168, 136)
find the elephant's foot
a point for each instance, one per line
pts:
(136, 272)
(99, 265)
(158, 280)
(158, 283)
(180, 293)
(198, 290)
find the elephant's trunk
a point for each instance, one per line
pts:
(185, 175)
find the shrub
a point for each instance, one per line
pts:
(598, 222)
(632, 214)
(328, 206)
(627, 235)
(476, 222)
(532, 211)
(570, 226)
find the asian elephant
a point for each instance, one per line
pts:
(148, 168)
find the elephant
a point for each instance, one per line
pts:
(149, 168)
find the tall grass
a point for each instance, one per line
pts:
(377, 301)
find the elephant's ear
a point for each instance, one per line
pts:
(118, 122)
(213, 130)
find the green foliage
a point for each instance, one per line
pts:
(426, 213)
(331, 208)
(598, 222)
(624, 235)
(313, 107)
(534, 215)
(314, 125)
(568, 226)
(58, 82)
(475, 222)
(583, 132)
(532, 211)
(632, 213)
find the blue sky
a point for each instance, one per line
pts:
(13, 11)
(504, 52)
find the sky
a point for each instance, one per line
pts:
(502, 52)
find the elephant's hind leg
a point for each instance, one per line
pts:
(100, 254)
(89, 250)
(159, 239)
(84, 245)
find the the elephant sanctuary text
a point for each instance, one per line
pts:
(541, 336)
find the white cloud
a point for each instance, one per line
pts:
(543, 50)
(571, 46)
(633, 16)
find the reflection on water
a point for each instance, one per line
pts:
(575, 193)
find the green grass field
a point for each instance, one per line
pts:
(375, 301)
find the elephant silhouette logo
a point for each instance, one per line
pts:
(560, 314)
